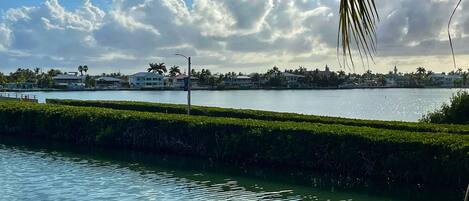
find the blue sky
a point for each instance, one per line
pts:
(221, 35)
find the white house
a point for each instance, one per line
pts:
(146, 80)
(444, 80)
(292, 79)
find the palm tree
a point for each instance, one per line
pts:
(85, 68)
(421, 71)
(80, 69)
(159, 68)
(357, 21)
(174, 71)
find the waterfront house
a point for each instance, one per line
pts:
(326, 73)
(397, 80)
(109, 83)
(20, 85)
(443, 80)
(178, 82)
(69, 81)
(240, 81)
(293, 80)
(146, 80)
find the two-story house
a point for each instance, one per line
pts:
(146, 80)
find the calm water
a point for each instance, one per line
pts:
(382, 104)
(43, 171)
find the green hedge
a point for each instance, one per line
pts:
(264, 115)
(430, 158)
(457, 112)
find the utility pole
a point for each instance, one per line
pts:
(189, 86)
(188, 83)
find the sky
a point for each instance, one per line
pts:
(220, 35)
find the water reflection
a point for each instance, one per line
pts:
(36, 170)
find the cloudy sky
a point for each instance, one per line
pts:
(221, 35)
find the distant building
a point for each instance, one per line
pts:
(146, 80)
(240, 81)
(293, 79)
(178, 82)
(69, 81)
(326, 73)
(108, 83)
(20, 86)
(397, 80)
(443, 80)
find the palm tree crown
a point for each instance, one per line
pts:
(85, 68)
(80, 69)
(159, 68)
(174, 71)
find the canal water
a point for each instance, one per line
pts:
(379, 104)
(38, 170)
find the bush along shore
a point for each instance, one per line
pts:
(264, 115)
(383, 154)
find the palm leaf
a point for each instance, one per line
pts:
(357, 20)
(449, 32)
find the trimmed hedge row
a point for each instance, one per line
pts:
(431, 158)
(264, 115)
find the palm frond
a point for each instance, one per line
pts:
(449, 33)
(357, 20)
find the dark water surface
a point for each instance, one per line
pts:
(39, 170)
(379, 104)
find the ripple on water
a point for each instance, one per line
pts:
(28, 175)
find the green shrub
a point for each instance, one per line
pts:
(457, 112)
(264, 115)
(427, 158)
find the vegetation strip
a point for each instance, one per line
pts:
(265, 115)
(433, 158)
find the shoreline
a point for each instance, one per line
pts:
(222, 89)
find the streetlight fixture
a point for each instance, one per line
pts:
(188, 83)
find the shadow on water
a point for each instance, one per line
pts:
(228, 181)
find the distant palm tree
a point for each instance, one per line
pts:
(159, 68)
(80, 69)
(459, 71)
(174, 71)
(421, 71)
(85, 68)
(37, 70)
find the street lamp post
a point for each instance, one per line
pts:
(188, 83)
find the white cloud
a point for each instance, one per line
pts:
(220, 34)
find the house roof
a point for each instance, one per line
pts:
(145, 74)
(181, 77)
(292, 75)
(243, 77)
(67, 77)
(109, 79)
